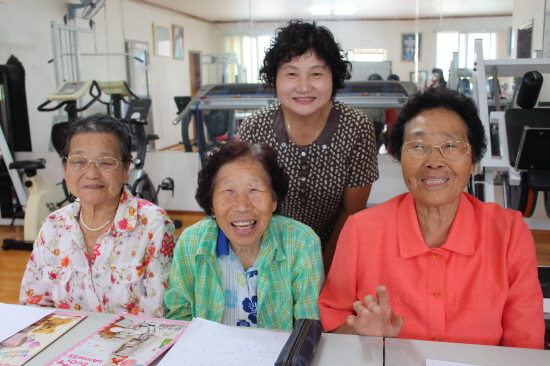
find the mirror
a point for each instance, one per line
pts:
(224, 40)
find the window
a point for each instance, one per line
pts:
(463, 43)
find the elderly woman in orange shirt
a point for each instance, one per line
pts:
(436, 263)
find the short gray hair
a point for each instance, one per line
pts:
(99, 123)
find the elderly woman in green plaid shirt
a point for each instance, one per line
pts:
(247, 266)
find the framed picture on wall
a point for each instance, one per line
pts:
(410, 46)
(162, 41)
(177, 37)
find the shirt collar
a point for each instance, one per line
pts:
(324, 137)
(461, 238)
(270, 247)
(126, 215)
(222, 244)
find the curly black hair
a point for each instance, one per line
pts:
(264, 154)
(451, 100)
(297, 38)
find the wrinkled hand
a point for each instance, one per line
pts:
(375, 318)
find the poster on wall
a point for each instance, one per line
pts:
(410, 46)
(177, 36)
(162, 40)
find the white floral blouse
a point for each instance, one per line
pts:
(129, 269)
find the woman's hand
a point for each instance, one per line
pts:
(375, 318)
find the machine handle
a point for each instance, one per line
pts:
(94, 99)
(130, 90)
(42, 106)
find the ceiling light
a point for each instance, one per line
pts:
(320, 10)
(347, 11)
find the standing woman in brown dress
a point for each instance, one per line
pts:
(327, 147)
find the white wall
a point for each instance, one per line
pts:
(386, 34)
(25, 30)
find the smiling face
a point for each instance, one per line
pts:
(436, 181)
(93, 186)
(243, 202)
(304, 85)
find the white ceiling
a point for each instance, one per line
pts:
(277, 10)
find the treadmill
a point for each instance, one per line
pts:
(218, 107)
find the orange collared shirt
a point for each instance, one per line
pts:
(480, 287)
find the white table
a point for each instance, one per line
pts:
(414, 353)
(333, 349)
(349, 350)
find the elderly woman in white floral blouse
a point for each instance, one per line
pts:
(108, 251)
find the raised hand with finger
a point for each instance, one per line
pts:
(375, 317)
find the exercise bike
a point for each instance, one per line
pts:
(45, 196)
(136, 119)
(118, 91)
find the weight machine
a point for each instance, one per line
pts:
(520, 136)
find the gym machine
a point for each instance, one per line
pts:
(45, 196)
(520, 137)
(217, 108)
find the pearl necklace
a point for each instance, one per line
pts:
(99, 228)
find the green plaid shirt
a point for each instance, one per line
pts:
(290, 274)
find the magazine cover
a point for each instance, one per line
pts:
(33, 339)
(127, 340)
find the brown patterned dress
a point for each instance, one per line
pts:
(344, 155)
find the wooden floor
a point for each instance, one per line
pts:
(12, 262)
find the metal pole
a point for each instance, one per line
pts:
(14, 175)
(56, 57)
(77, 56)
(496, 88)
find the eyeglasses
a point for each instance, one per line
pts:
(81, 162)
(452, 150)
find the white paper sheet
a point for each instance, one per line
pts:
(207, 343)
(445, 363)
(15, 318)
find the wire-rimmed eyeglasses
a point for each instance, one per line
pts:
(452, 150)
(81, 162)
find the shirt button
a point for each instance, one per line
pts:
(304, 153)
(303, 200)
(438, 339)
(283, 144)
(435, 255)
(439, 294)
(303, 179)
(304, 167)
(302, 190)
(324, 146)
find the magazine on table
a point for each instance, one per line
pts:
(126, 340)
(30, 341)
